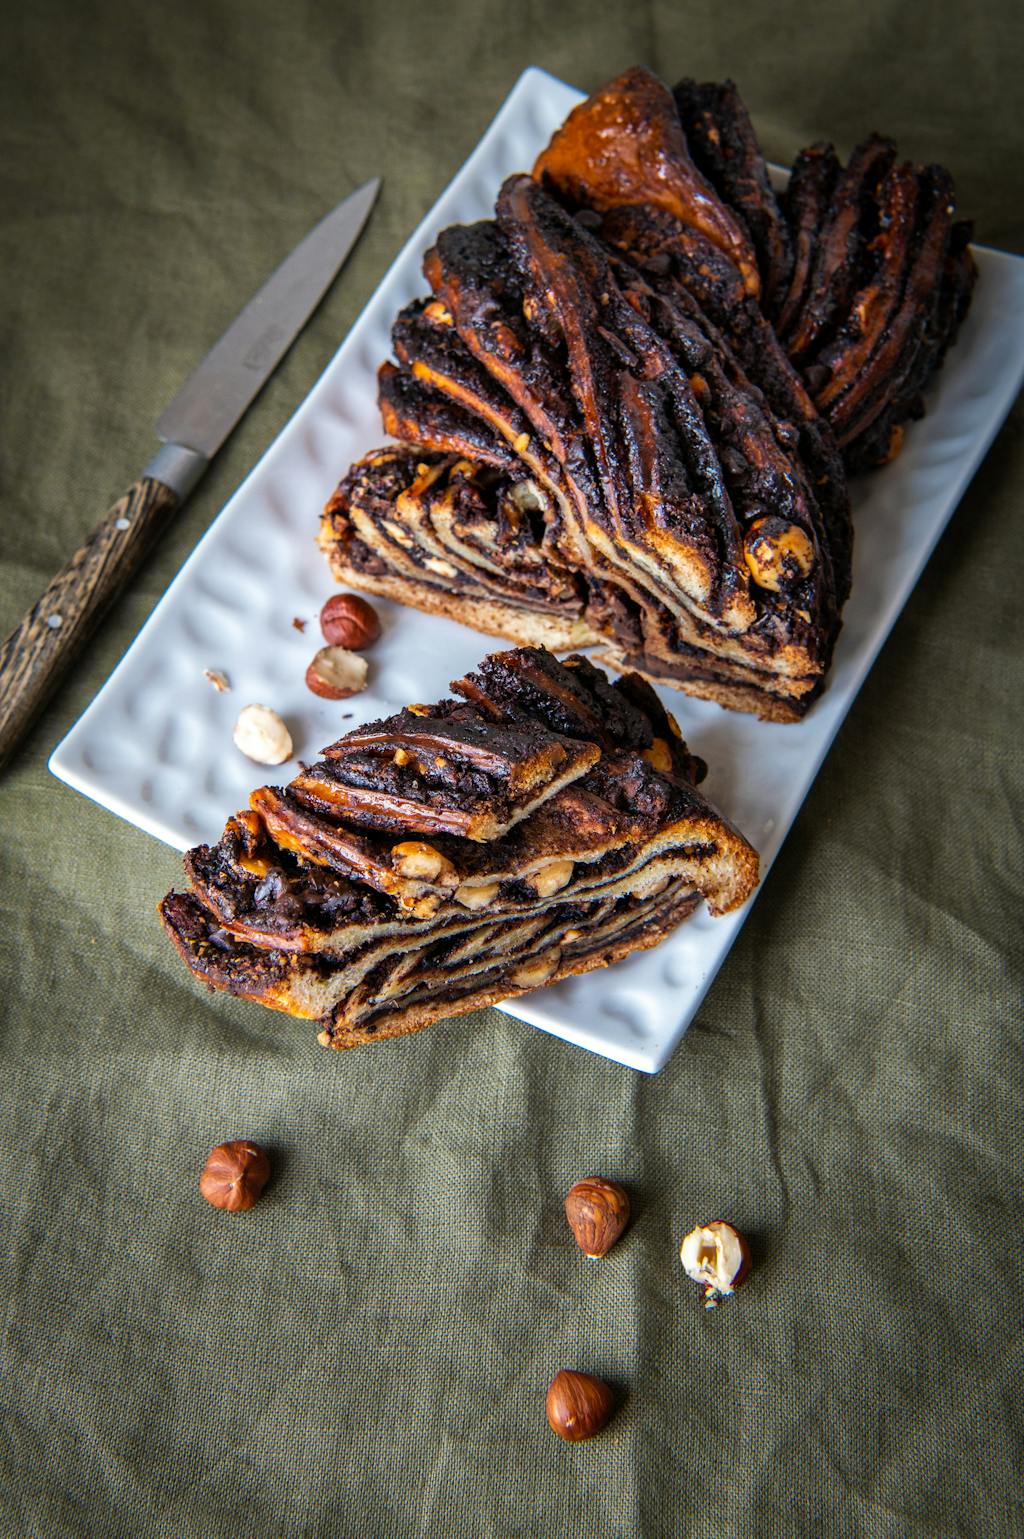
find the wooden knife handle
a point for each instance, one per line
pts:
(51, 634)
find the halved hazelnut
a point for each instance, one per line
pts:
(552, 877)
(777, 553)
(718, 1257)
(420, 862)
(335, 674)
(481, 896)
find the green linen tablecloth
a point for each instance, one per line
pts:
(367, 1352)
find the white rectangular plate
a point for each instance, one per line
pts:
(155, 745)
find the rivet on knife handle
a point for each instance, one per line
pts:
(36, 651)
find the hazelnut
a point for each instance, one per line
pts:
(778, 554)
(334, 674)
(261, 735)
(235, 1175)
(349, 621)
(535, 972)
(578, 1405)
(552, 877)
(598, 1211)
(420, 862)
(659, 756)
(473, 898)
(717, 1256)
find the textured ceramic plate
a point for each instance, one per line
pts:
(155, 745)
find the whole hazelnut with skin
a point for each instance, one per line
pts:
(718, 1257)
(598, 1211)
(349, 621)
(235, 1175)
(578, 1405)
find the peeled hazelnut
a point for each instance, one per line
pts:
(578, 1405)
(334, 674)
(261, 735)
(349, 621)
(476, 897)
(777, 553)
(418, 861)
(235, 1175)
(717, 1256)
(552, 877)
(598, 1211)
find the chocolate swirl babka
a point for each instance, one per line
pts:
(544, 822)
(626, 412)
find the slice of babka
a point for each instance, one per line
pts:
(542, 823)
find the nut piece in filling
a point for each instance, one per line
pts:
(473, 897)
(335, 674)
(578, 1405)
(598, 1211)
(235, 1175)
(778, 554)
(349, 621)
(718, 1257)
(552, 877)
(262, 736)
(418, 861)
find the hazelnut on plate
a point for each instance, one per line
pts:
(335, 674)
(262, 736)
(349, 621)
(578, 1405)
(235, 1175)
(718, 1257)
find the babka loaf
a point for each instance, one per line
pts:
(543, 823)
(624, 412)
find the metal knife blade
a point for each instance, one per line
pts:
(193, 427)
(216, 394)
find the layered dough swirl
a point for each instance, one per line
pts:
(626, 411)
(542, 823)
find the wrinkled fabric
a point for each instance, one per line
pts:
(367, 1352)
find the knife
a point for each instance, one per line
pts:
(203, 413)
